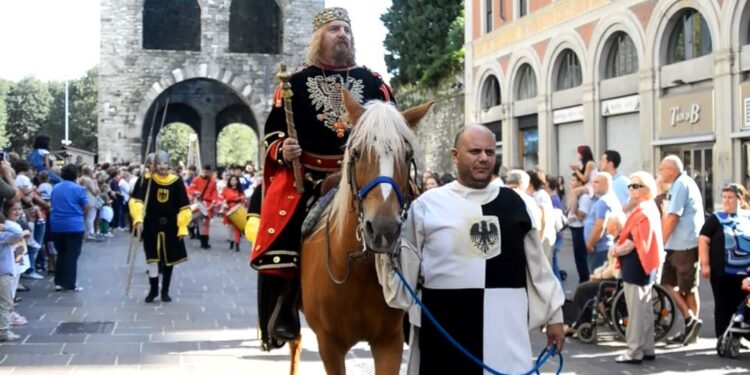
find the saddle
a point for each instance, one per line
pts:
(328, 188)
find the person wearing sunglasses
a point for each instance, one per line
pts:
(639, 251)
(724, 260)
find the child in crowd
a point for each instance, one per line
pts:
(13, 211)
(10, 234)
(106, 213)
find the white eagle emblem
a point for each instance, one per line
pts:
(326, 97)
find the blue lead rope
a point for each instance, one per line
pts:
(544, 356)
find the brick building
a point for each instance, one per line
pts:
(215, 60)
(646, 78)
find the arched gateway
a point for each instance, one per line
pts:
(214, 72)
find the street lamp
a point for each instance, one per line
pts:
(66, 142)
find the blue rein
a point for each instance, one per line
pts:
(362, 193)
(544, 356)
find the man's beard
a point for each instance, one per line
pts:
(342, 53)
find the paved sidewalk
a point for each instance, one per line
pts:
(210, 327)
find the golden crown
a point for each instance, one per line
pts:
(330, 14)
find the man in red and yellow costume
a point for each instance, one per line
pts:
(203, 190)
(322, 132)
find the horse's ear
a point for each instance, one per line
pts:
(354, 110)
(413, 115)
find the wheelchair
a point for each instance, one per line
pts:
(608, 308)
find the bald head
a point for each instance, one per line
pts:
(473, 154)
(471, 128)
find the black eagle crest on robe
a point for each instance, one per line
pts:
(484, 235)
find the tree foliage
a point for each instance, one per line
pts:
(27, 106)
(425, 41)
(5, 87)
(237, 144)
(83, 108)
(174, 139)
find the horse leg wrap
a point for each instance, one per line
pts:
(284, 323)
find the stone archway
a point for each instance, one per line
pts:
(204, 104)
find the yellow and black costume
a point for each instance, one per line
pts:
(165, 222)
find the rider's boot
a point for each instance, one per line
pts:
(284, 323)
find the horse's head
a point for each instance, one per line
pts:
(378, 160)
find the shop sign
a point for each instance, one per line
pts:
(572, 114)
(686, 115)
(620, 106)
(745, 104)
(690, 115)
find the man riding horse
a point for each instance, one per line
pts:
(322, 130)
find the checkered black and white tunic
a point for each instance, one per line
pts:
(469, 249)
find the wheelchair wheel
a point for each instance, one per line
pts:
(733, 346)
(587, 333)
(619, 314)
(664, 312)
(721, 346)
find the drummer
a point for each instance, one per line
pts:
(233, 195)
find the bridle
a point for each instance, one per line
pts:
(359, 195)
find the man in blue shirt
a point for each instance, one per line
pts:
(681, 225)
(604, 204)
(609, 162)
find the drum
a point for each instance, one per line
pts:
(199, 211)
(238, 216)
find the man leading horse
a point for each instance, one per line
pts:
(322, 132)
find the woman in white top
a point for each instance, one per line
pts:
(544, 201)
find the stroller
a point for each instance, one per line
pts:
(728, 344)
(608, 307)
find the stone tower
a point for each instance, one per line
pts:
(215, 60)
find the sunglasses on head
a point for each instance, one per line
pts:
(636, 186)
(734, 188)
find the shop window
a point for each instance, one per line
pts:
(528, 140)
(523, 8)
(172, 25)
(569, 71)
(690, 38)
(255, 26)
(622, 58)
(490, 93)
(698, 163)
(488, 15)
(526, 88)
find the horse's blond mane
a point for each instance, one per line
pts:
(382, 130)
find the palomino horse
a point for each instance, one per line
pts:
(341, 298)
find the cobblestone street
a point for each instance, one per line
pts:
(210, 327)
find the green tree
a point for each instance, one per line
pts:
(237, 144)
(425, 41)
(174, 139)
(83, 107)
(28, 104)
(5, 87)
(54, 124)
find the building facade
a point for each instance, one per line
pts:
(214, 62)
(645, 78)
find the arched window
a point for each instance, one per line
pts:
(568, 71)
(526, 88)
(490, 93)
(690, 37)
(255, 26)
(622, 59)
(172, 25)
